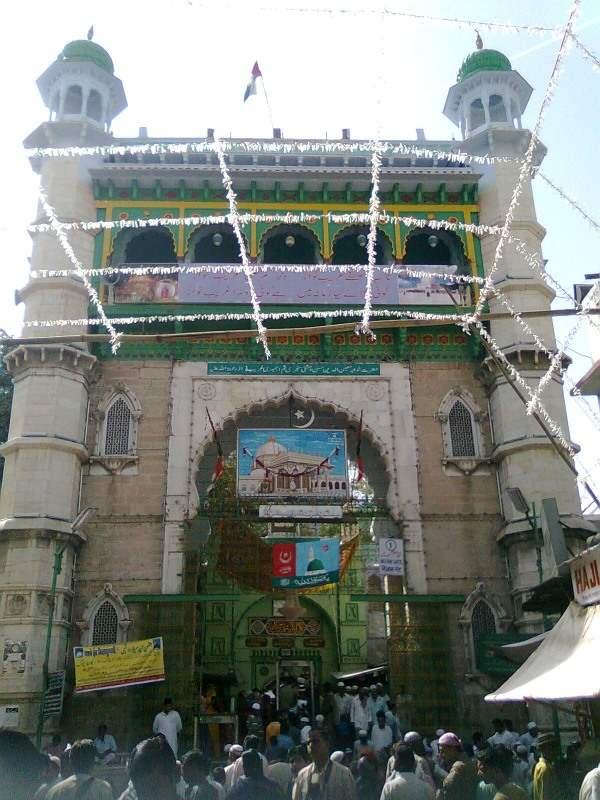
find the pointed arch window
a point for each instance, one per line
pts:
(483, 623)
(461, 429)
(105, 626)
(462, 438)
(119, 427)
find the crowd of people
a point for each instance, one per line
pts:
(356, 750)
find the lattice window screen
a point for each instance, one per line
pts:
(460, 423)
(106, 624)
(119, 419)
(483, 623)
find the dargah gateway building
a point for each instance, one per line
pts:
(117, 492)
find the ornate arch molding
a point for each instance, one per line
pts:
(280, 227)
(101, 463)
(86, 625)
(203, 231)
(358, 228)
(476, 463)
(456, 242)
(465, 620)
(119, 243)
(284, 396)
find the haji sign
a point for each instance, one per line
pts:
(278, 626)
(585, 575)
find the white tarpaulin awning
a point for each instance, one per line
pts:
(566, 665)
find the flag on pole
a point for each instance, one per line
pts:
(251, 88)
(359, 462)
(220, 462)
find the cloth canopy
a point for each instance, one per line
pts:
(564, 666)
(519, 651)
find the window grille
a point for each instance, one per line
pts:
(106, 624)
(460, 423)
(117, 440)
(483, 624)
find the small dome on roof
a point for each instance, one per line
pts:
(483, 60)
(85, 50)
(270, 448)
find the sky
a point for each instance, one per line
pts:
(185, 64)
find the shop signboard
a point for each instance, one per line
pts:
(391, 556)
(585, 576)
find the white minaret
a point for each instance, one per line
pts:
(487, 103)
(46, 447)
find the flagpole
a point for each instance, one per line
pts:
(267, 102)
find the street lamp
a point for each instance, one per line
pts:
(517, 498)
(82, 517)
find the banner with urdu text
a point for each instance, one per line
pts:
(111, 666)
(306, 563)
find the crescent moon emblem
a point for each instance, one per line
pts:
(310, 421)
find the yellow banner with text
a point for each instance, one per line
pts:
(113, 666)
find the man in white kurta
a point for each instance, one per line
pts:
(168, 722)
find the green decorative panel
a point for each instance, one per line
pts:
(218, 612)
(352, 616)
(217, 646)
(272, 368)
(352, 648)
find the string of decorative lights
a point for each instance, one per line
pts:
(525, 169)
(587, 53)
(234, 221)
(70, 253)
(302, 218)
(300, 147)
(374, 204)
(193, 268)
(573, 203)
(491, 25)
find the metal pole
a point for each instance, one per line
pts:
(56, 570)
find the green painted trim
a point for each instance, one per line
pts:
(408, 598)
(179, 598)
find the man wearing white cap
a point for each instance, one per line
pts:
(529, 738)
(304, 730)
(360, 714)
(340, 702)
(235, 752)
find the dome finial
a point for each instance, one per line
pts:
(478, 41)
(90, 33)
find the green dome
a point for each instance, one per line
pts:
(84, 50)
(483, 60)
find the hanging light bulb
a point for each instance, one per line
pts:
(432, 240)
(290, 241)
(217, 239)
(361, 240)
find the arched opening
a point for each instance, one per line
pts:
(54, 106)
(94, 106)
(462, 437)
(153, 245)
(216, 244)
(350, 246)
(476, 114)
(118, 427)
(514, 114)
(73, 100)
(435, 247)
(290, 244)
(497, 109)
(105, 627)
(483, 623)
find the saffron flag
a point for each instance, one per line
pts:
(251, 88)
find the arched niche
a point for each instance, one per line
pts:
(213, 244)
(144, 246)
(350, 246)
(290, 244)
(436, 247)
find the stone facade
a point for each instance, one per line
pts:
(466, 548)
